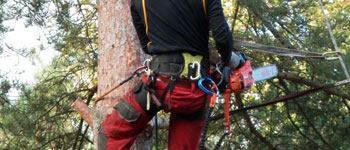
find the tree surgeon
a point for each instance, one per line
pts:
(175, 33)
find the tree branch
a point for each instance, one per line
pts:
(312, 126)
(53, 139)
(78, 133)
(3, 129)
(250, 124)
(307, 119)
(84, 110)
(265, 22)
(235, 17)
(91, 94)
(83, 137)
(296, 127)
(297, 79)
(282, 82)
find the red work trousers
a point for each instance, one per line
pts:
(121, 130)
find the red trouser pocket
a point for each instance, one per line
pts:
(121, 128)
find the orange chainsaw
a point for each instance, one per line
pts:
(243, 77)
(240, 79)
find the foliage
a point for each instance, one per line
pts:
(43, 119)
(309, 122)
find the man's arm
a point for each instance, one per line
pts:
(221, 32)
(140, 28)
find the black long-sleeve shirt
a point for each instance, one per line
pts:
(181, 26)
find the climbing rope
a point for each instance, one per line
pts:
(285, 51)
(134, 74)
(214, 98)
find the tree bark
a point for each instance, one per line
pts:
(119, 54)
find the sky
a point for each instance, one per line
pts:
(18, 67)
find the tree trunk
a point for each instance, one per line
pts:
(119, 54)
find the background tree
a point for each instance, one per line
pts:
(42, 117)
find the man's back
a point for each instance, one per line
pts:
(180, 26)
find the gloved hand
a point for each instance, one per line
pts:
(237, 60)
(234, 61)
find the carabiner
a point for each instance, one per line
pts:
(198, 72)
(200, 85)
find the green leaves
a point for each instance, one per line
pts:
(298, 25)
(42, 118)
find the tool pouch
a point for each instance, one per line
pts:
(126, 111)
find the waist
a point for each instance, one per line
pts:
(183, 65)
(179, 82)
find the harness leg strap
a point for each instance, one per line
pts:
(141, 97)
(169, 88)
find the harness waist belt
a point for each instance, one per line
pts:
(181, 65)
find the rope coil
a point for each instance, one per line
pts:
(213, 99)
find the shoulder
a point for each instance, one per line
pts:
(136, 4)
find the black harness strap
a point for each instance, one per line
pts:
(169, 88)
(149, 87)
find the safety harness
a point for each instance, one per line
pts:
(177, 66)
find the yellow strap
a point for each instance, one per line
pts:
(189, 59)
(145, 15)
(205, 8)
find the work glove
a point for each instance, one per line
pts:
(234, 61)
(225, 70)
(237, 60)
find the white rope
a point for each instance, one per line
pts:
(334, 42)
(284, 51)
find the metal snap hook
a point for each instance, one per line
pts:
(198, 72)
